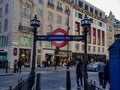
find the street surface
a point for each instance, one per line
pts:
(51, 79)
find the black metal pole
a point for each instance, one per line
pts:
(31, 80)
(56, 57)
(68, 79)
(85, 59)
(38, 83)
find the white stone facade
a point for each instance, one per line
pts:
(51, 14)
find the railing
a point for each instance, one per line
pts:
(92, 86)
(23, 84)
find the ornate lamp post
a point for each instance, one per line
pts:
(85, 23)
(35, 23)
(68, 80)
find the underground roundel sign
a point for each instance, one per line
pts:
(59, 43)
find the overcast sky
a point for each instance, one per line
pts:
(107, 6)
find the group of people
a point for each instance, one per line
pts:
(17, 66)
(103, 73)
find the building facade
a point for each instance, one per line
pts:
(16, 34)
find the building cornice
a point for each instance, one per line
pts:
(84, 11)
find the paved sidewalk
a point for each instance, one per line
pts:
(26, 70)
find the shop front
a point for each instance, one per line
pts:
(25, 55)
(91, 57)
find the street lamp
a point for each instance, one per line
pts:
(68, 80)
(85, 23)
(35, 23)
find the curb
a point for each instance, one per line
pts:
(10, 74)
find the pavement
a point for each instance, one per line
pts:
(42, 70)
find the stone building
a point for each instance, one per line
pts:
(16, 34)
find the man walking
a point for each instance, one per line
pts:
(101, 66)
(106, 74)
(79, 72)
(19, 65)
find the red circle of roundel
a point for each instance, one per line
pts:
(59, 43)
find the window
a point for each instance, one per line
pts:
(59, 5)
(40, 13)
(80, 3)
(82, 47)
(49, 30)
(100, 14)
(4, 41)
(25, 41)
(0, 12)
(77, 28)
(50, 1)
(6, 25)
(103, 50)
(94, 49)
(100, 24)
(80, 15)
(77, 46)
(26, 11)
(91, 9)
(96, 12)
(89, 48)
(99, 37)
(98, 49)
(40, 1)
(50, 16)
(6, 9)
(59, 19)
(86, 7)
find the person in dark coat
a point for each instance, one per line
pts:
(79, 72)
(106, 74)
(15, 66)
(19, 65)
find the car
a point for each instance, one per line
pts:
(93, 66)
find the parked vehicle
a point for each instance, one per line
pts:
(93, 66)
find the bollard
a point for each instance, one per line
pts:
(68, 80)
(94, 86)
(10, 88)
(38, 81)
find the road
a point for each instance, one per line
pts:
(50, 79)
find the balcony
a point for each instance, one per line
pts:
(23, 28)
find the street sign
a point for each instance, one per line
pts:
(60, 38)
(61, 42)
(42, 37)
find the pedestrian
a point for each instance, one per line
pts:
(6, 66)
(101, 66)
(79, 72)
(19, 65)
(15, 67)
(106, 74)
